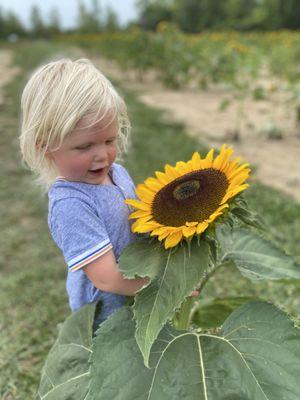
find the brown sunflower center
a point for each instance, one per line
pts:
(191, 198)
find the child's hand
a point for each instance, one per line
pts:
(194, 293)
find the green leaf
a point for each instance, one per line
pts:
(248, 217)
(224, 105)
(65, 375)
(142, 258)
(117, 368)
(255, 356)
(254, 256)
(212, 314)
(157, 303)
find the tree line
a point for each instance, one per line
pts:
(243, 15)
(189, 15)
(90, 19)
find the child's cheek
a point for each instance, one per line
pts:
(79, 165)
(75, 167)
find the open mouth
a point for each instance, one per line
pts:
(96, 171)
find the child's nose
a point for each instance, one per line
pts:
(100, 154)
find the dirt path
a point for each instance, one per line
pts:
(276, 161)
(7, 72)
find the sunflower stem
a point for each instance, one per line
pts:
(182, 320)
(207, 276)
(184, 316)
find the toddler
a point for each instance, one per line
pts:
(74, 125)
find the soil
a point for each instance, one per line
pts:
(263, 132)
(7, 72)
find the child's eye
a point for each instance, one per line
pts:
(110, 141)
(83, 147)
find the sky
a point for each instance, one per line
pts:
(125, 9)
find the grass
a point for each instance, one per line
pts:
(32, 271)
(32, 299)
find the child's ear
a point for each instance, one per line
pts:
(49, 153)
(41, 146)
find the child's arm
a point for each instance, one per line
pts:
(104, 274)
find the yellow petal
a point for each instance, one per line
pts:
(163, 178)
(147, 218)
(173, 239)
(226, 156)
(227, 196)
(183, 167)
(217, 213)
(161, 232)
(171, 171)
(222, 158)
(221, 207)
(239, 189)
(142, 220)
(139, 214)
(153, 184)
(232, 165)
(144, 227)
(145, 194)
(207, 162)
(196, 161)
(188, 231)
(240, 178)
(234, 192)
(163, 235)
(219, 158)
(201, 227)
(135, 226)
(191, 223)
(236, 171)
(138, 204)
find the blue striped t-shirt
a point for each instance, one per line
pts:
(86, 221)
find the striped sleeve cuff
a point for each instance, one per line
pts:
(89, 255)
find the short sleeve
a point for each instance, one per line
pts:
(79, 232)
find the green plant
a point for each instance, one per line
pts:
(169, 346)
(272, 131)
(258, 93)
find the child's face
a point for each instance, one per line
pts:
(87, 154)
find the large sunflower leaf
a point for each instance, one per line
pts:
(256, 355)
(117, 368)
(142, 258)
(157, 303)
(254, 256)
(241, 211)
(65, 375)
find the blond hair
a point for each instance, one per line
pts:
(56, 97)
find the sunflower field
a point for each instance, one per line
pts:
(204, 59)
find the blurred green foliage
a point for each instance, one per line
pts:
(178, 59)
(244, 15)
(191, 16)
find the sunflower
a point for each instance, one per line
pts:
(185, 199)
